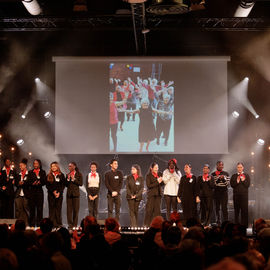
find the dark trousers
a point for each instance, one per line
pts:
(113, 129)
(240, 202)
(171, 203)
(55, 210)
(36, 208)
(163, 126)
(221, 200)
(152, 209)
(7, 206)
(73, 206)
(93, 207)
(133, 206)
(206, 209)
(116, 200)
(22, 209)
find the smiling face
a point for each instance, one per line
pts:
(155, 169)
(71, 167)
(22, 166)
(114, 165)
(36, 164)
(54, 168)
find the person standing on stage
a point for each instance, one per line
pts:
(134, 185)
(221, 192)
(8, 176)
(74, 180)
(206, 185)
(188, 193)
(114, 182)
(55, 185)
(36, 196)
(153, 182)
(22, 182)
(240, 183)
(93, 182)
(171, 178)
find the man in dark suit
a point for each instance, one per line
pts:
(74, 180)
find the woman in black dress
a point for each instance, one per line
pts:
(188, 193)
(55, 185)
(134, 187)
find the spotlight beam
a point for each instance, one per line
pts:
(244, 8)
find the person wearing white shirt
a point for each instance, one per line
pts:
(171, 178)
(92, 186)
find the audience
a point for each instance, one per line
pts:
(165, 245)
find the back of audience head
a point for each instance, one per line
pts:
(157, 223)
(46, 225)
(20, 225)
(8, 260)
(112, 225)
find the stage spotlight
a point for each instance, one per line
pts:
(260, 142)
(47, 114)
(257, 116)
(23, 116)
(20, 142)
(269, 165)
(12, 148)
(268, 146)
(30, 154)
(32, 6)
(37, 80)
(1, 136)
(244, 8)
(252, 153)
(235, 114)
(247, 78)
(252, 170)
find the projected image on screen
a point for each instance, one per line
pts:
(141, 109)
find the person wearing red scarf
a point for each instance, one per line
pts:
(188, 193)
(36, 198)
(171, 178)
(55, 184)
(240, 183)
(23, 182)
(74, 180)
(153, 183)
(222, 180)
(134, 185)
(8, 176)
(92, 185)
(206, 190)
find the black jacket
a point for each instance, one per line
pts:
(27, 182)
(188, 188)
(206, 188)
(242, 186)
(114, 181)
(134, 187)
(8, 182)
(73, 189)
(153, 186)
(59, 185)
(37, 182)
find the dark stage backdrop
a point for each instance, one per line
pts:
(198, 109)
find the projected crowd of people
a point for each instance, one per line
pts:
(153, 102)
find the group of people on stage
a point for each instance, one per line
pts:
(188, 190)
(149, 99)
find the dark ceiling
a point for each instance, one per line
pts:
(214, 8)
